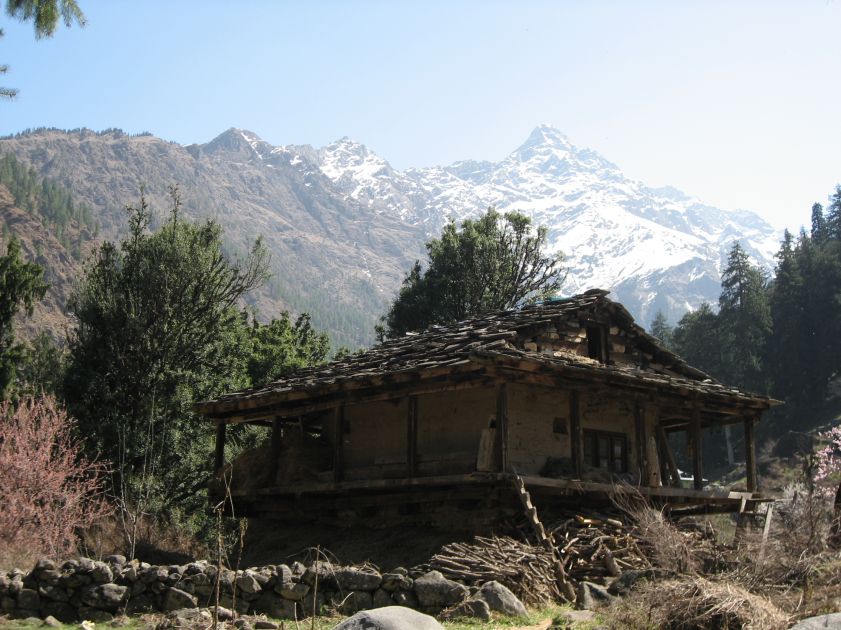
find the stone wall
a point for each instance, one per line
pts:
(99, 590)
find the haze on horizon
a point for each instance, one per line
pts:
(732, 104)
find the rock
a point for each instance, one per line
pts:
(390, 618)
(139, 604)
(195, 568)
(832, 620)
(265, 624)
(284, 573)
(101, 573)
(590, 595)
(355, 579)
(310, 607)
(7, 603)
(248, 583)
(273, 605)
(382, 599)
(293, 591)
(405, 598)
(95, 615)
(394, 581)
(189, 617)
(500, 599)
(356, 601)
(44, 564)
(50, 576)
(53, 593)
(62, 611)
(28, 599)
(115, 559)
(175, 599)
(435, 591)
(224, 614)
(579, 616)
(52, 622)
(242, 624)
(106, 596)
(472, 608)
(322, 572)
(623, 584)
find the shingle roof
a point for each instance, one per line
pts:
(497, 337)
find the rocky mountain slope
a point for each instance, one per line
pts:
(343, 225)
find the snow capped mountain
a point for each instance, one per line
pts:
(656, 249)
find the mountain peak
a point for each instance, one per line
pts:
(545, 134)
(238, 141)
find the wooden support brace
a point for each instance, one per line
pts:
(576, 441)
(668, 456)
(750, 454)
(338, 446)
(640, 438)
(219, 453)
(412, 438)
(501, 438)
(695, 440)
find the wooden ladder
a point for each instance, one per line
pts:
(748, 516)
(545, 540)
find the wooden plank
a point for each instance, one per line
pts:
(338, 446)
(219, 452)
(667, 456)
(695, 441)
(412, 438)
(575, 433)
(750, 454)
(502, 426)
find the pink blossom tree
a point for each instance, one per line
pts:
(48, 490)
(828, 478)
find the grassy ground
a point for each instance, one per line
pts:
(541, 618)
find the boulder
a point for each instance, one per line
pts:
(623, 584)
(356, 579)
(265, 624)
(248, 583)
(62, 611)
(106, 596)
(115, 559)
(294, 591)
(590, 595)
(472, 608)
(175, 599)
(394, 581)
(95, 615)
(500, 599)
(382, 599)
(28, 599)
(435, 591)
(321, 572)
(101, 573)
(390, 618)
(139, 604)
(822, 622)
(273, 605)
(405, 598)
(356, 601)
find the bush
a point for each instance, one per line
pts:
(50, 491)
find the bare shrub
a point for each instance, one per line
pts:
(50, 490)
(694, 603)
(667, 547)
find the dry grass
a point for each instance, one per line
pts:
(695, 603)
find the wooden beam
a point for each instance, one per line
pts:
(750, 454)
(338, 446)
(502, 426)
(640, 438)
(695, 441)
(219, 453)
(667, 456)
(412, 438)
(575, 433)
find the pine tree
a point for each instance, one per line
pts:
(661, 329)
(697, 339)
(833, 216)
(785, 346)
(818, 224)
(745, 321)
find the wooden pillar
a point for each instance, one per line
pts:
(750, 454)
(412, 438)
(668, 458)
(277, 434)
(695, 441)
(501, 438)
(641, 440)
(338, 446)
(219, 454)
(576, 441)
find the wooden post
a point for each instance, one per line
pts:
(219, 454)
(412, 438)
(277, 434)
(575, 433)
(695, 438)
(668, 457)
(750, 454)
(640, 437)
(501, 438)
(338, 451)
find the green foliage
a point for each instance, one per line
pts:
(45, 14)
(41, 369)
(51, 203)
(279, 347)
(157, 328)
(21, 284)
(697, 339)
(489, 264)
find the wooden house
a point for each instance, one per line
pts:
(569, 394)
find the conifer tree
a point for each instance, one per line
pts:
(787, 299)
(661, 329)
(818, 224)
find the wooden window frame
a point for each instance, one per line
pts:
(591, 455)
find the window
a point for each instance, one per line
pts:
(597, 343)
(608, 451)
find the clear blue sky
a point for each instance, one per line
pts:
(735, 102)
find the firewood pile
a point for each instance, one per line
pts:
(596, 548)
(526, 569)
